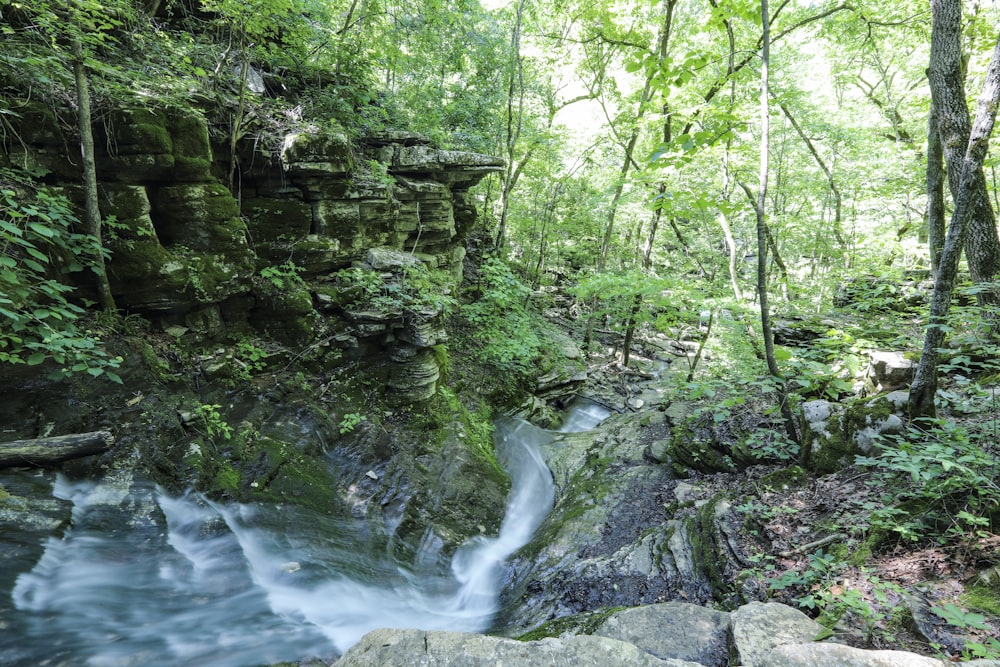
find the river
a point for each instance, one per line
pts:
(141, 577)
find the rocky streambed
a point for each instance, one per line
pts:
(672, 634)
(630, 559)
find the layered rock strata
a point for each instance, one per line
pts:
(315, 229)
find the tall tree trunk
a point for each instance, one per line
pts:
(609, 225)
(515, 88)
(727, 231)
(236, 130)
(762, 245)
(935, 192)
(92, 210)
(647, 253)
(925, 382)
(946, 77)
(838, 232)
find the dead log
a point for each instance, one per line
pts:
(48, 451)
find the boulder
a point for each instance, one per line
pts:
(838, 655)
(889, 371)
(675, 630)
(613, 538)
(759, 627)
(835, 433)
(322, 154)
(419, 648)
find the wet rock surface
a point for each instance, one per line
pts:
(679, 635)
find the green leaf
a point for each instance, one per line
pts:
(36, 358)
(782, 353)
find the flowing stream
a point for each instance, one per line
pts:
(144, 578)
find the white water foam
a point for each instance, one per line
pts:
(187, 581)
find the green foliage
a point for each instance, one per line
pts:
(281, 278)
(253, 356)
(350, 421)
(827, 368)
(38, 249)
(939, 482)
(417, 292)
(770, 444)
(215, 427)
(823, 593)
(503, 330)
(952, 614)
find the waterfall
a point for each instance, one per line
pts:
(143, 577)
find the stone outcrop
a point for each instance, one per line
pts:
(673, 630)
(270, 254)
(758, 628)
(617, 536)
(888, 371)
(418, 648)
(676, 634)
(834, 433)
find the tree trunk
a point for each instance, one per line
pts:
(49, 451)
(663, 46)
(515, 85)
(838, 232)
(236, 131)
(966, 201)
(727, 231)
(762, 246)
(946, 77)
(92, 210)
(935, 192)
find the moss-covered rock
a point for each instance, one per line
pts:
(202, 216)
(324, 154)
(833, 434)
(691, 446)
(785, 478)
(271, 219)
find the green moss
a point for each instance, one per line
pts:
(137, 258)
(281, 473)
(689, 450)
(3, 493)
(128, 204)
(211, 277)
(152, 137)
(708, 557)
(190, 136)
(858, 554)
(983, 598)
(193, 168)
(274, 219)
(822, 454)
(290, 302)
(444, 410)
(585, 623)
(228, 479)
(218, 203)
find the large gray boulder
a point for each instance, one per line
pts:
(838, 655)
(419, 648)
(673, 630)
(759, 627)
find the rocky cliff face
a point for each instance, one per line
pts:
(349, 246)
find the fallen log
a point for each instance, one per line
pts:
(48, 451)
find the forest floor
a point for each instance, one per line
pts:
(818, 544)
